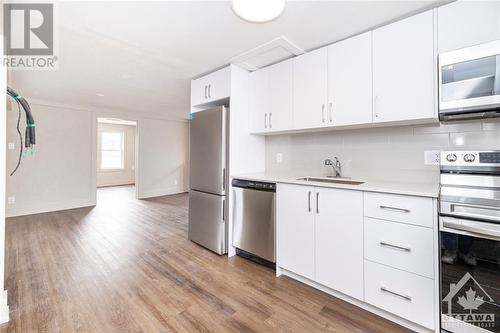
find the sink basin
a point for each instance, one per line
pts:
(331, 180)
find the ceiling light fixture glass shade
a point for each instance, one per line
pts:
(259, 11)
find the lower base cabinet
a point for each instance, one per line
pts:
(320, 236)
(404, 294)
(325, 235)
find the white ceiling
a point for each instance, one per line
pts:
(141, 55)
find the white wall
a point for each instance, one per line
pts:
(392, 153)
(62, 173)
(163, 156)
(126, 175)
(4, 308)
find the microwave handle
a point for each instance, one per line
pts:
(471, 227)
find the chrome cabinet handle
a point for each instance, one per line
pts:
(404, 210)
(330, 112)
(223, 210)
(209, 86)
(407, 249)
(265, 120)
(317, 202)
(206, 92)
(309, 201)
(270, 120)
(224, 178)
(406, 297)
(323, 113)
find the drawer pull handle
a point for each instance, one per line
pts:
(385, 290)
(395, 209)
(407, 249)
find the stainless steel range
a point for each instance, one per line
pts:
(470, 241)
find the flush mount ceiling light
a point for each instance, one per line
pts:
(258, 11)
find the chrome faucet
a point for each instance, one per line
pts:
(337, 167)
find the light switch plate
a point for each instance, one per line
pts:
(12, 146)
(11, 200)
(432, 157)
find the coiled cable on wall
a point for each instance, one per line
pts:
(29, 137)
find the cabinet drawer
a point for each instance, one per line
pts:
(402, 246)
(404, 294)
(400, 208)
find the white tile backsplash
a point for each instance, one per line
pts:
(392, 153)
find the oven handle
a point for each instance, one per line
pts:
(471, 227)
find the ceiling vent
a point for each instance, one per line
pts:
(267, 54)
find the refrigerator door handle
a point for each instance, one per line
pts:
(223, 210)
(224, 179)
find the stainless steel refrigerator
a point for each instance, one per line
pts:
(208, 179)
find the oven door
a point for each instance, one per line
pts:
(470, 275)
(470, 79)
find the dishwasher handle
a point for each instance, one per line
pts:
(254, 185)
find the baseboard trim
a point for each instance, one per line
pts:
(365, 306)
(4, 309)
(161, 192)
(21, 210)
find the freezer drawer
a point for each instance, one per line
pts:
(253, 222)
(207, 225)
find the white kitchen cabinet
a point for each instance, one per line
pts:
(310, 80)
(295, 242)
(405, 294)
(258, 104)
(350, 81)
(467, 23)
(211, 87)
(270, 98)
(280, 96)
(404, 70)
(339, 240)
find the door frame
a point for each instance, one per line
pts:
(95, 117)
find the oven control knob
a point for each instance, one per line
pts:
(469, 158)
(451, 157)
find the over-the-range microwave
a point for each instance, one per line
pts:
(469, 82)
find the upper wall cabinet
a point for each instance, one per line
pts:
(404, 70)
(350, 81)
(310, 79)
(271, 98)
(211, 87)
(466, 23)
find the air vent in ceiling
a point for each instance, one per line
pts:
(267, 54)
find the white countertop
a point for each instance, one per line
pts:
(407, 188)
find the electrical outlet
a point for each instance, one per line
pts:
(176, 182)
(432, 157)
(12, 146)
(279, 158)
(11, 200)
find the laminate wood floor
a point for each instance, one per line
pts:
(126, 266)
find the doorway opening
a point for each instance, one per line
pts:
(116, 156)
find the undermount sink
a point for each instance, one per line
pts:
(331, 180)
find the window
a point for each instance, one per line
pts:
(112, 150)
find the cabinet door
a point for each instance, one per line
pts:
(350, 81)
(257, 102)
(279, 93)
(339, 240)
(403, 70)
(310, 89)
(199, 91)
(219, 84)
(295, 223)
(467, 23)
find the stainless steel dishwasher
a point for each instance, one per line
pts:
(253, 218)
